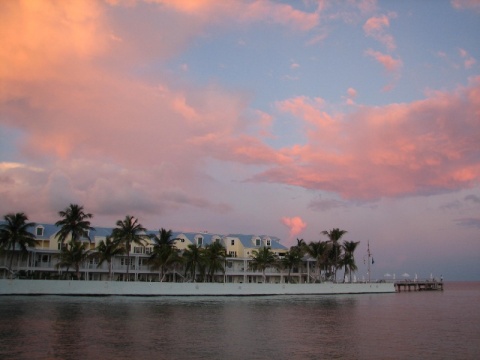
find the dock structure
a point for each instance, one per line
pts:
(425, 285)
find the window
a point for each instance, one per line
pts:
(124, 261)
(257, 242)
(39, 231)
(200, 241)
(232, 254)
(148, 250)
(43, 258)
(269, 242)
(138, 250)
(232, 242)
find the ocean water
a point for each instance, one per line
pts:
(408, 325)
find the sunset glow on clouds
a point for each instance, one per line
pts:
(295, 224)
(233, 116)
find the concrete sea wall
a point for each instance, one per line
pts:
(105, 288)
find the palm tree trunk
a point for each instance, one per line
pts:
(10, 266)
(336, 262)
(128, 261)
(11, 261)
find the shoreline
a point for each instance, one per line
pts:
(120, 288)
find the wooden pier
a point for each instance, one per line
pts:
(425, 285)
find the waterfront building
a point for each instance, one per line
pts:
(41, 261)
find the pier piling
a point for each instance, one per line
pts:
(408, 285)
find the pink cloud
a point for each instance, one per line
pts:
(295, 224)
(104, 137)
(469, 61)
(259, 10)
(351, 95)
(375, 28)
(280, 13)
(39, 38)
(388, 62)
(114, 141)
(264, 123)
(424, 147)
(367, 6)
(466, 4)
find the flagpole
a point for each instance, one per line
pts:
(368, 252)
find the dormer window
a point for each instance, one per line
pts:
(200, 241)
(257, 242)
(269, 242)
(39, 231)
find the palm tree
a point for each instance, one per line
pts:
(333, 260)
(291, 259)
(262, 259)
(75, 223)
(318, 251)
(127, 232)
(214, 257)
(164, 252)
(106, 251)
(334, 236)
(74, 254)
(15, 232)
(193, 257)
(349, 248)
(164, 237)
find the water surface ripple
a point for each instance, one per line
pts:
(421, 325)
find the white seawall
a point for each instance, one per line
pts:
(108, 288)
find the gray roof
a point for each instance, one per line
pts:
(50, 230)
(247, 241)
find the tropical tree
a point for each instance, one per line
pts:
(73, 255)
(164, 237)
(193, 257)
(318, 251)
(292, 258)
(333, 259)
(164, 252)
(300, 244)
(349, 248)
(74, 223)
(14, 232)
(262, 259)
(106, 251)
(334, 237)
(129, 231)
(214, 258)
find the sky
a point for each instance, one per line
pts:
(283, 118)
